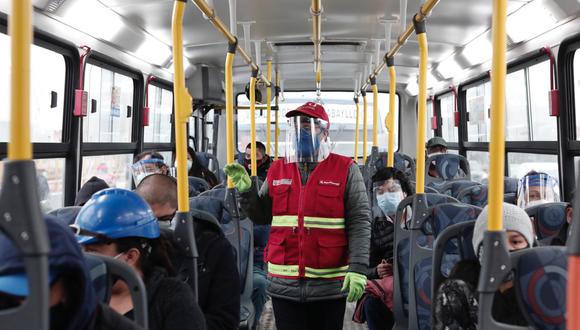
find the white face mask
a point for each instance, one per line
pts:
(189, 164)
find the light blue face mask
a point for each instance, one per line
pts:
(388, 202)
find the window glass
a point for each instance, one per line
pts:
(209, 121)
(577, 92)
(516, 107)
(167, 157)
(49, 181)
(114, 169)
(48, 71)
(429, 133)
(520, 163)
(113, 93)
(478, 104)
(544, 127)
(160, 109)
(478, 165)
(341, 111)
(448, 129)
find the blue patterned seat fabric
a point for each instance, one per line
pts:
(454, 188)
(547, 218)
(449, 167)
(541, 279)
(403, 260)
(402, 162)
(474, 195)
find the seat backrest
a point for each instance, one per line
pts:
(211, 162)
(402, 162)
(247, 311)
(66, 215)
(474, 195)
(453, 188)
(510, 185)
(423, 231)
(547, 218)
(446, 167)
(197, 186)
(105, 270)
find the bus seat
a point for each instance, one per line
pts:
(428, 190)
(547, 218)
(453, 188)
(401, 253)
(402, 162)
(454, 241)
(197, 186)
(211, 162)
(510, 198)
(446, 167)
(104, 269)
(66, 215)
(510, 185)
(475, 195)
(422, 232)
(247, 312)
(540, 280)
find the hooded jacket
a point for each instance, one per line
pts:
(258, 207)
(382, 236)
(66, 260)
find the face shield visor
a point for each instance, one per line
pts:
(535, 189)
(388, 194)
(307, 140)
(143, 168)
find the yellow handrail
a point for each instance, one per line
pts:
(20, 29)
(391, 115)
(497, 118)
(230, 109)
(364, 95)
(375, 111)
(356, 133)
(268, 106)
(277, 104)
(423, 57)
(182, 101)
(254, 170)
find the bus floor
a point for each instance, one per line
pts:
(267, 320)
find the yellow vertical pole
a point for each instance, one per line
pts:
(375, 110)
(497, 141)
(356, 133)
(276, 128)
(391, 115)
(268, 105)
(254, 169)
(230, 107)
(182, 101)
(20, 30)
(423, 57)
(364, 95)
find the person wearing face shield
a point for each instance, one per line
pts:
(148, 163)
(536, 188)
(319, 213)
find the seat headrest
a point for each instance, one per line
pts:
(449, 166)
(547, 218)
(66, 215)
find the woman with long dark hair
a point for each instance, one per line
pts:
(196, 169)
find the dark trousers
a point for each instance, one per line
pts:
(319, 315)
(378, 316)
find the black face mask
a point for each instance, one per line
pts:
(59, 316)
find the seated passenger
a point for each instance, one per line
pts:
(435, 146)
(147, 163)
(195, 169)
(263, 161)
(219, 279)
(73, 301)
(390, 187)
(536, 188)
(119, 224)
(88, 189)
(520, 235)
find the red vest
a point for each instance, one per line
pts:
(308, 237)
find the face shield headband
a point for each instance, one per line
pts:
(535, 189)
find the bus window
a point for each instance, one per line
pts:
(544, 127)
(50, 182)
(160, 108)
(113, 93)
(429, 133)
(448, 129)
(341, 111)
(113, 169)
(48, 70)
(478, 164)
(517, 120)
(209, 118)
(577, 92)
(478, 100)
(520, 163)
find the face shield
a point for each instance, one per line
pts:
(535, 189)
(306, 140)
(388, 194)
(143, 168)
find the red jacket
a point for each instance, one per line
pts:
(308, 237)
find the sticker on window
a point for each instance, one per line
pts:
(116, 101)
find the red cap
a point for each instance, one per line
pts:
(309, 109)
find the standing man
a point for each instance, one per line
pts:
(320, 215)
(263, 161)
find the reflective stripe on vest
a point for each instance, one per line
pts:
(292, 271)
(309, 222)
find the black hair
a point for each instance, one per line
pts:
(153, 154)
(154, 253)
(259, 146)
(200, 171)
(386, 173)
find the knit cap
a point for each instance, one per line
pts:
(514, 219)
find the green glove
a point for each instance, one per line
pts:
(355, 283)
(239, 176)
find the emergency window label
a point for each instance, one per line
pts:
(281, 182)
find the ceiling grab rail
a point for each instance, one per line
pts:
(316, 12)
(209, 12)
(183, 111)
(390, 120)
(22, 220)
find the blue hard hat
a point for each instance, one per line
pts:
(115, 213)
